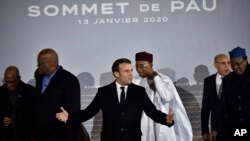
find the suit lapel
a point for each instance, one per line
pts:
(114, 93)
(53, 80)
(39, 79)
(246, 80)
(213, 84)
(128, 96)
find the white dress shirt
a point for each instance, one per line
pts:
(119, 90)
(218, 82)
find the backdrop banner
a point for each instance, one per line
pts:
(88, 35)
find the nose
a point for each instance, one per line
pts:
(228, 66)
(131, 73)
(138, 69)
(234, 66)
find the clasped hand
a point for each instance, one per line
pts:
(170, 117)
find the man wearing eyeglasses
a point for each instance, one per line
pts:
(235, 98)
(212, 93)
(16, 100)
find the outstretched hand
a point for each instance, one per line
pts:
(62, 116)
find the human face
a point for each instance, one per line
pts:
(222, 65)
(239, 65)
(11, 80)
(144, 68)
(45, 64)
(124, 75)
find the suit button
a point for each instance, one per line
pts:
(122, 113)
(241, 120)
(239, 108)
(122, 129)
(239, 97)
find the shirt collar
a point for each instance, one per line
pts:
(118, 85)
(219, 78)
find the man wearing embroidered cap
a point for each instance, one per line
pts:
(235, 97)
(163, 94)
(239, 60)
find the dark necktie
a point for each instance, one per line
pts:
(122, 98)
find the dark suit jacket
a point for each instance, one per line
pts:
(235, 100)
(21, 113)
(209, 102)
(63, 90)
(120, 124)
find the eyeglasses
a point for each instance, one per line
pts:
(224, 63)
(238, 64)
(44, 62)
(9, 82)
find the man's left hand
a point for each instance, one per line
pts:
(170, 118)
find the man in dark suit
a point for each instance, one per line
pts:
(16, 100)
(235, 99)
(122, 103)
(211, 93)
(55, 87)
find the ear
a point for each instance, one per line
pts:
(215, 65)
(116, 74)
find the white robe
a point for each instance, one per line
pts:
(165, 98)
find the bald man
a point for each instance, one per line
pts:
(212, 93)
(55, 87)
(16, 107)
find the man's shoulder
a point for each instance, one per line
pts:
(2, 89)
(65, 73)
(210, 77)
(165, 78)
(28, 86)
(137, 87)
(107, 87)
(228, 77)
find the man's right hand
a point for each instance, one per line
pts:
(205, 137)
(7, 121)
(62, 116)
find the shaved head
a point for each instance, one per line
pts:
(49, 53)
(47, 61)
(12, 69)
(11, 77)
